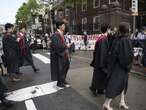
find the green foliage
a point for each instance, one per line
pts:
(24, 13)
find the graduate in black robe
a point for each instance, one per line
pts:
(59, 56)
(120, 62)
(11, 53)
(99, 62)
(26, 55)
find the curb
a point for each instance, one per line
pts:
(138, 73)
(88, 60)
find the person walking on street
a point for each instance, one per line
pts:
(119, 65)
(11, 52)
(46, 37)
(3, 90)
(85, 40)
(26, 54)
(59, 56)
(99, 62)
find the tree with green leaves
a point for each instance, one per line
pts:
(26, 11)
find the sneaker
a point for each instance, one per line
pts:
(15, 79)
(36, 70)
(66, 84)
(61, 85)
(101, 92)
(93, 91)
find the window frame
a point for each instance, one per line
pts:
(84, 4)
(67, 12)
(83, 24)
(94, 6)
(110, 2)
(94, 23)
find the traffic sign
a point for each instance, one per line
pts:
(134, 8)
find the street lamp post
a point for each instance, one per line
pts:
(51, 20)
(50, 2)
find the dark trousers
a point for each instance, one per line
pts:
(63, 69)
(3, 89)
(30, 61)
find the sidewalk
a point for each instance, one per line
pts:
(86, 57)
(80, 80)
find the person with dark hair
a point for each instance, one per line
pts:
(10, 47)
(119, 65)
(85, 40)
(25, 52)
(99, 62)
(59, 56)
(11, 52)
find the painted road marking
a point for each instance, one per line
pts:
(34, 91)
(48, 53)
(42, 58)
(30, 105)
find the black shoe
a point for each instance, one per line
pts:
(102, 92)
(36, 70)
(62, 85)
(19, 73)
(7, 103)
(93, 91)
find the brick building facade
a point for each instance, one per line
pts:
(90, 14)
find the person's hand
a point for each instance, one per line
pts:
(18, 39)
(68, 45)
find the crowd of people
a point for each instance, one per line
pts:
(112, 60)
(138, 41)
(16, 53)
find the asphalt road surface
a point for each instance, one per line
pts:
(36, 91)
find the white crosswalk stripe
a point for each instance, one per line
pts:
(34, 91)
(48, 53)
(42, 58)
(30, 105)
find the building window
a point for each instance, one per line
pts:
(67, 12)
(60, 15)
(96, 3)
(84, 5)
(111, 1)
(84, 24)
(96, 23)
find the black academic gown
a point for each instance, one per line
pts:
(99, 79)
(119, 64)
(59, 59)
(26, 56)
(11, 52)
